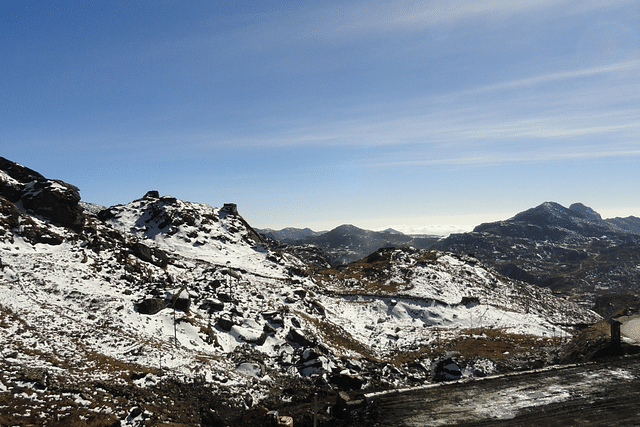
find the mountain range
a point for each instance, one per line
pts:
(570, 250)
(348, 243)
(168, 311)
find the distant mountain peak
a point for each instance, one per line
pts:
(585, 211)
(392, 231)
(543, 212)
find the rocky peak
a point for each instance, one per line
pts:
(18, 172)
(51, 199)
(546, 213)
(585, 212)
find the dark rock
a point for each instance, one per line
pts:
(151, 306)
(262, 339)
(153, 194)
(54, 200)
(347, 382)
(230, 208)
(447, 369)
(106, 214)
(225, 323)
(269, 329)
(300, 292)
(297, 271)
(302, 337)
(212, 305)
(469, 300)
(135, 412)
(182, 304)
(154, 256)
(225, 297)
(309, 354)
(13, 191)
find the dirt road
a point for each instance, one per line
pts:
(602, 394)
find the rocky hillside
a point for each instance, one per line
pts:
(163, 310)
(348, 243)
(571, 250)
(290, 234)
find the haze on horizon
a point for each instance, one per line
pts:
(412, 114)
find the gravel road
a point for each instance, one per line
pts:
(599, 394)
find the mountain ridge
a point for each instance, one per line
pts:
(161, 296)
(569, 250)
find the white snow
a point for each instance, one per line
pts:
(79, 304)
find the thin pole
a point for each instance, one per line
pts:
(315, 409)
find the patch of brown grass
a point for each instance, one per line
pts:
(337, 337)
(493, 344)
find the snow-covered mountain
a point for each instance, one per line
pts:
(571, 250)
(112, 315)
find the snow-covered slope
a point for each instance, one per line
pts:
(163, 287)
(408, 298)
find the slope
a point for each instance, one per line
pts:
(123, 310)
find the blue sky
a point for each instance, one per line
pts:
(377, 114)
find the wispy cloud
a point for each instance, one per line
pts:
(552, 77)
(503, 158)
(364, 17)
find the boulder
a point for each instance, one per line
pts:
(302, 337)
(447, 369)
(182, 304)
(12, 185)
(154, 256)
(54, 200)
(212, 305)
(230, 208)
(150, 305)
(300, 292)
(225, 323)
(347, 382)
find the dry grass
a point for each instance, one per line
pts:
(496, 345)
(338, 337)
(372, 275)
(473, 343)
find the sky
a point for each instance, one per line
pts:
(426, 116)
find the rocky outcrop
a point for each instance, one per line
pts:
(155, 256)
(12, 220)
(151, 306)
(53, 200)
